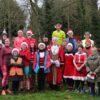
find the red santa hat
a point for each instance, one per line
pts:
(58, 25)
(70, 31)
(88, 34)
(15, 49)
(24, 43)
(41, 44)
(29, 32)
(70, 44)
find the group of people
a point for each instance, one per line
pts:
(63, 60)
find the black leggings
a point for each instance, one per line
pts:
(70, 83)
(41, 79)
(15, 86)
(79, 84)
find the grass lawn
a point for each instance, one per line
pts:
(50, 95)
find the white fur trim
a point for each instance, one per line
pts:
(41, 44)
(41, 54)
(15, 49)
(70, 31)
(24, 43)
(70, 44)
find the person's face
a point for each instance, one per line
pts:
(15, 53)
(58, 27)
(29, 35)
(87, 36)
(55, 42)
(45, 39)
(24, 47)
(64, 43)
(7, 42)
(41, 47)
(70, 34)
(4, 37)
(20, 34)
(80, 49)
(69, 48)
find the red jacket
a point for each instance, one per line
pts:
(26, 56)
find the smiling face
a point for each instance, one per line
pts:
(80, 49)
(69, 47)
(7, 42)
(15, 53)
(24, 47)
(4, 37)
(41, 47)
(29, 35)
(20, 33)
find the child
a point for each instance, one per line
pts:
(69, 66)
(25, 54)
(43, 64)
(80, 72)
(15, 65)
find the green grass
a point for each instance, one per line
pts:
(50, 95)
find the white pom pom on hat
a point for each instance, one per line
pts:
(15, 49)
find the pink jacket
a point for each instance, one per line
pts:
(18, 41)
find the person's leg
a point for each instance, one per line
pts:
(98, 83)
(82, 87)
(70, 83)
(77, 84)
(92, 89)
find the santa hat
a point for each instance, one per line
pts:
(41, 44)
(15, 49)
(20, 31)
(87, 33)
(70, 44)
(58, 25)
(24, 43)
(4, 32)
(29, 31)
(70, 31)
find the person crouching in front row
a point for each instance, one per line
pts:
(15, 64)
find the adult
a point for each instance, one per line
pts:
(60, 34)
(4, 36)
(19, 39)
(87, 38)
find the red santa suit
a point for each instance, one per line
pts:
(30, 40)
(57, 57)
(79, 60)
(69, 66)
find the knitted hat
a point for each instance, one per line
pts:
(15, 49)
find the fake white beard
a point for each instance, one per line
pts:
(55, 49)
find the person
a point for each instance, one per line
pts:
(25, 54)
(4, 36)
(69, 67)
(45, 39)
(32, 61)
(93, 76)
(57, 60)
(6, 54)
(19, 39)
(87, 38)
(60, 34)
(72, 40)
(43, 65)
(29, 38)
(80, 72)
(15, 65)
(1, 46)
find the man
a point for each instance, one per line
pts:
(59, 33)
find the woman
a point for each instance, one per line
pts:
(69, 66)
(25, 54)
(41, 67)
(15, 64)
(80, 72)
(93, 76)
(6, 54)
(57, 61)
